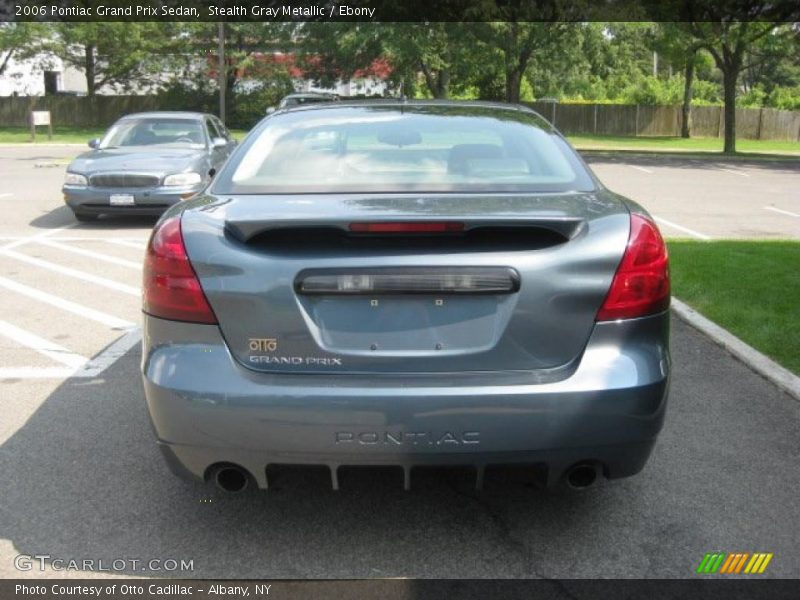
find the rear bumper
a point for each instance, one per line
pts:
(206, 408)
(151, 201)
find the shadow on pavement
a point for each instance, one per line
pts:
(62, 216)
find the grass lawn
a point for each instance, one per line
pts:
(61, 135)
(677, 144)
(751, 288)
(64, 135)
(81, 135)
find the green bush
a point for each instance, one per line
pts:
(180, 96)
(785, 98)
(248, 108)
(705, 93)
(753, 98)
(653, 91)
(245, 108)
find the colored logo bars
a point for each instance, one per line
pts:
(734, 563)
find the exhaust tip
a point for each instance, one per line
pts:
(231, 479)
(582, 476)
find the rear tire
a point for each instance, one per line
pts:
(85, 217)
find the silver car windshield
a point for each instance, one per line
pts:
(154, 132)
(373, 149)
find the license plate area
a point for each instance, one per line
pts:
(407, 325)
(122, 200)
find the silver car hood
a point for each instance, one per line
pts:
(156, 160)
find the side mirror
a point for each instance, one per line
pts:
(219, 143)
(270, 110)
(94, 143)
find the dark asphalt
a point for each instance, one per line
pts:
(83, 479)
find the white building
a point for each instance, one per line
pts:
(47, 74)
(43, 74)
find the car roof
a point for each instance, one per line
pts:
(400, 103)
(167, 114)
(310, 95)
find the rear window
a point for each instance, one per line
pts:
(422, 148)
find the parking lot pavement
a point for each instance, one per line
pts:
(84, 479)
(69, 292)
(709, 199)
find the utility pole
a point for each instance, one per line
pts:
(655, 63)
(221, 73)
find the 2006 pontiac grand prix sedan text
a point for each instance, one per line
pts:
(406, 284)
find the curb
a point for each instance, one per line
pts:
(761, 364)
(41, 145)
(688, 154)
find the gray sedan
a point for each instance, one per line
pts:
(406, 285)
(145, 163)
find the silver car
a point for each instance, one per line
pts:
(406, 284)
(145, 163)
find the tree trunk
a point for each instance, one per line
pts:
(230, 95)
(438, 82)
(513, 85)
(430, 80)
(729, 86)
(89, 69)
(444, 84)
(686, 109)
(6, 60)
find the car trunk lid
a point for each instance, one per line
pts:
(406, 283)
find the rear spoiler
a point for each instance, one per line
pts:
(245, 229)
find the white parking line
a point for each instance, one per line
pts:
(139, 243)
(642, 169)
(86, 370)
(38, 236)
(735, 172)
(5, 195)
(129, 244)
(781, 211)
(95, 255)
(73, 307)
(69, 272)
(110, 355)
(692, 232)
(42, 346)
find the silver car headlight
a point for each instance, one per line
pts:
(183, 179)
(75, 179)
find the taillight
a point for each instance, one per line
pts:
(171, 289)
(641, 283)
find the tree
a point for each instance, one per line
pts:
(517, 42)
(443, 52)
(18, 39)
(249, 55)
(773, 61)
(122, 55)
(330, 52)
(728, 34)
(681, 49)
